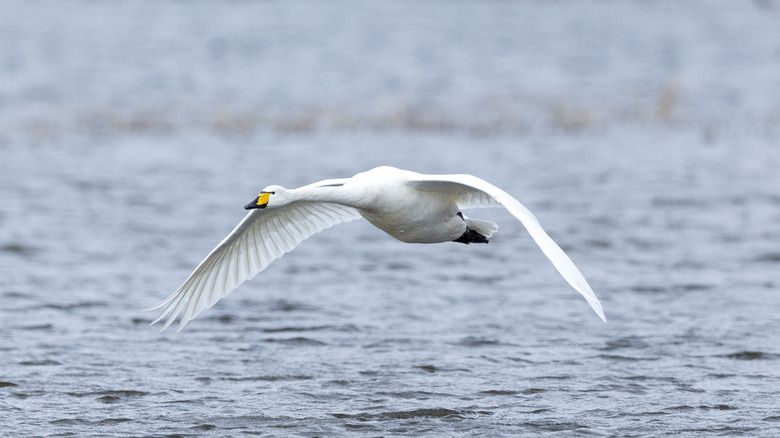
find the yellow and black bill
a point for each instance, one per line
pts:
(260, 202)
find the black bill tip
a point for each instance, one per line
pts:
(260, 202)
(254, 204)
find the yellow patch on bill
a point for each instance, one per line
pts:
(262, 198)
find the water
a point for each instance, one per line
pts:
(643, 135)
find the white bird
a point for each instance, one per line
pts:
(409, 206)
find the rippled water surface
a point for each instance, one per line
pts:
(642, 134)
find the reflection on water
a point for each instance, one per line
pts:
(641, 134)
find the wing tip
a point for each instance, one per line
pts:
(596, 306)
(156, 306)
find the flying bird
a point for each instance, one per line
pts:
(409, 206)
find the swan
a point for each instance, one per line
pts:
(409, 206)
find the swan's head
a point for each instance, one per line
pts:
(266, 197)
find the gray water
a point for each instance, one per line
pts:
(644, 136)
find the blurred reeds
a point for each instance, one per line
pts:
(485, 116)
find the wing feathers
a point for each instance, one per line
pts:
(470, 191)
(259, 239)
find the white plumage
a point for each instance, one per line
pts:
(409, 206)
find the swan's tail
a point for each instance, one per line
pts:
(482, 226)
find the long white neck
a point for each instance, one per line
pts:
(342, 195)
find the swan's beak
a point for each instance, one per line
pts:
(260, 202)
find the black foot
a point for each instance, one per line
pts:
(471, 236)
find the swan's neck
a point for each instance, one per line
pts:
(342, 195)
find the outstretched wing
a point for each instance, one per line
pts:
(470, 191)
(261, 237)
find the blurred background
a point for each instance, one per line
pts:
(644, 136)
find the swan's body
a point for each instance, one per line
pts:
(409, 206)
